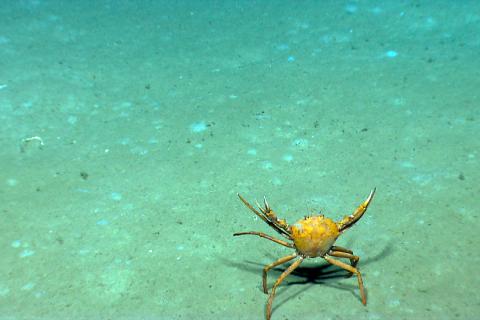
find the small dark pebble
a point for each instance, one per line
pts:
(461, 176)
(84, 175)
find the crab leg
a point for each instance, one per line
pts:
(266, 236)
(353, 270)
(273, 265)
(342, 254)
(341, 249)
(285, 273)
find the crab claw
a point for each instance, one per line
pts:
(350, 220)
(267, 207)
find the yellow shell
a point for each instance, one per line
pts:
(314, 236)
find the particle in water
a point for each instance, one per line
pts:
(391, 54)
(351, 8)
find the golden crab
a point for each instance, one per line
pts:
(312, 236)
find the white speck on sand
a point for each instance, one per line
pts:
(126, 104)
(4, 291)
(252, 152)
(12, 182)
(376, 10)
(351, 8)
(393, 303)
(139, 151)
(102, 222)
(116, 196)
(28, 286)
(26, 253)
(287, 157)
(72, 120)
(4, 40)
(16, 243)
(398, 101)
(198, 127)
(430, 23)
(83, 252)
(300, 142)
(422, 179)
(27, 104)
(276, 181)
(267, 165)
(407, 164)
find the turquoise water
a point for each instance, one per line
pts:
(128, 127)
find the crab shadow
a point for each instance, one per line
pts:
(311, 272)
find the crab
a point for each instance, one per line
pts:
(310, 237)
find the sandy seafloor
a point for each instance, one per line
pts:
(153, 115)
